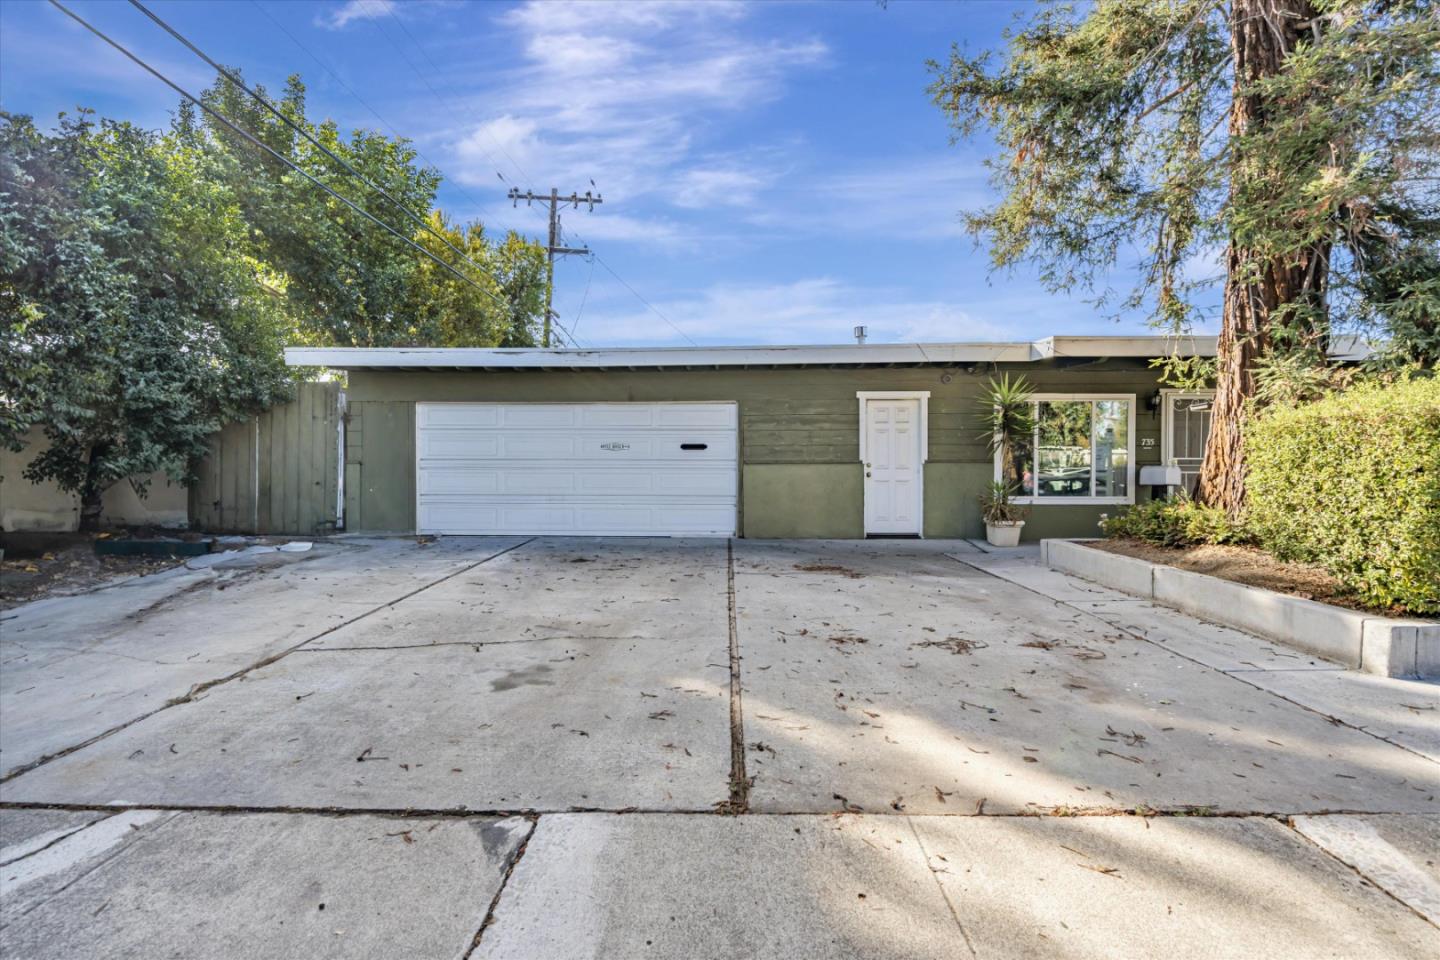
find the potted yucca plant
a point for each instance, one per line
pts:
(1003, 516)
(1009, 415)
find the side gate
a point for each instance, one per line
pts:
(281, 472)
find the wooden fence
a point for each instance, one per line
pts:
(278, 473)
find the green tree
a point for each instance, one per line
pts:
(1300, 136)
(134, 319)
(520, 265)
(149, 280)
(351, 282)
(505, 309)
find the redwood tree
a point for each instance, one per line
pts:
(1291, 146)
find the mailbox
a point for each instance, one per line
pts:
(1158, 476)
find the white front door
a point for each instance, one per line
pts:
(892, 466)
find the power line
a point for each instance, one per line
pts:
(529, 184)
(274, 153)
(575, 324)
(474, 118)
(433, 66)
(233, 78)
(553, 244)
(647, 303)
(363, 102)
(396, 132)
(438, 95)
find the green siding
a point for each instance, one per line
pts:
(1077, 521)
(952, 498)
(782, 500)
(380, 466)
(276, 473)
(799, 435)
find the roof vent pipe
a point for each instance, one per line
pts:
(860, 333)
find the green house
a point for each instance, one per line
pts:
(841, 441)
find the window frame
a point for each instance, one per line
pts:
(1091, 500)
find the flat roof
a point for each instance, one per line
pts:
(815, 355)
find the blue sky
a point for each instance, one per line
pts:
(772, 172)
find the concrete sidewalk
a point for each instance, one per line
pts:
(617, 748)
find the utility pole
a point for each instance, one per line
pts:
(552, 246)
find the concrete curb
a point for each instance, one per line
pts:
(1380, 645)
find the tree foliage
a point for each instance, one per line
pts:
(149, 279)
(135, 322)
(1301, 137)
(1114, 145)
(355, 284)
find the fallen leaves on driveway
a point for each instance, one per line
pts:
(956, 645)
(828, 568)
(1103, 752)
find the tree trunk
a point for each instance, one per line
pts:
(1262, 34)
(92, 493)
(90, 507)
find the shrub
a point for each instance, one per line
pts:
(1174, 523)
(1352, 482)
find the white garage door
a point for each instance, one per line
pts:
(593, 469)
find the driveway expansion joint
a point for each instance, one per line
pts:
(458, 813)
(739, 799)
(480, 643)
(1236, 674)
(944, 894)
(46, 846)
(514, 859)
(1353, 868)
(200, 688)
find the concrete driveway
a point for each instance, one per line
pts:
(552, 748)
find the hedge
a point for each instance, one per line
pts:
(1352, 483)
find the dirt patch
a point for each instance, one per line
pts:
(1247, 565)
(68, 566)
(834, 568)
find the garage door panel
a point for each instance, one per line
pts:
(537, 446)
(538, 415)
(607, 416)
(450, 480)
(696, 415)
(602, 446)
(459, 480)
(458, 415)
(580, 518)
(642, 469)
(457, 444)
(464, 516)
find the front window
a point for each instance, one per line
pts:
(1081, 451)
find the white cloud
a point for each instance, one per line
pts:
(66, 57)
(702, 187)
(488, 145)
(599, 15)
(812, 310)
(906, 199)
(625, 93)
(352, 10)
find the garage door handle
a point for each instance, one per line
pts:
(694, 446)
